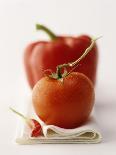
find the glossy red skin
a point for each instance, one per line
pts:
(43, 55)
(66, 104)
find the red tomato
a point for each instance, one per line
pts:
(66, 104)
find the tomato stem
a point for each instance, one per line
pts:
(75, 63)
(59, 68)
(48, 31)
(72, 64)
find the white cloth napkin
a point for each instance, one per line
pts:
(87, 133)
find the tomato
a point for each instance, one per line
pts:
(66, 103)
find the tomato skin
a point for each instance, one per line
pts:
(42, 55)
(66, 104)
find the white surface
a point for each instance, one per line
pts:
(57, 135)
(17, 19)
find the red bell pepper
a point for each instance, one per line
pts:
(43, 55)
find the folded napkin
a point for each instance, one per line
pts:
(87, 133)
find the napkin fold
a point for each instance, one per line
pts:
(87, 133)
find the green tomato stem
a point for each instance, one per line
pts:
(75, 63)
(46, 30)
(72, 64)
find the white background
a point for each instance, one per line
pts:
(17, 29)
